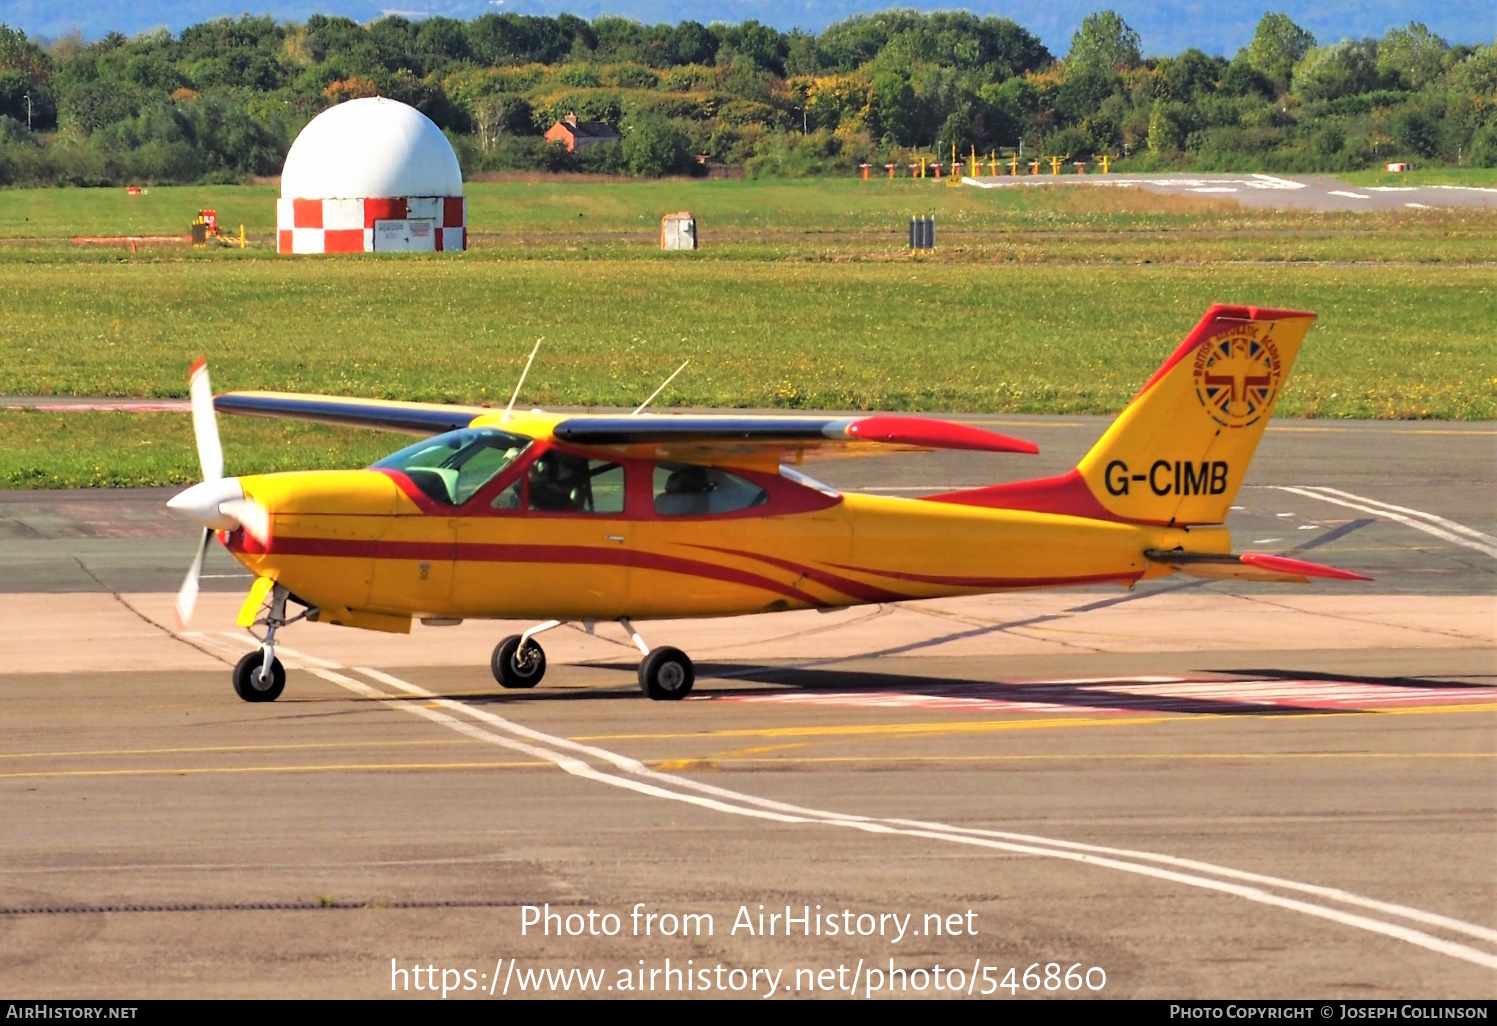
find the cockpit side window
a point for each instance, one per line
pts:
(688, 490)
(451, 468)
(560, 482)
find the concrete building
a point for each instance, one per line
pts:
(371, 175)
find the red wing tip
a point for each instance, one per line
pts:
(896, 428)
(201, 363)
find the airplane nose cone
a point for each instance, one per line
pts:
(199, 504)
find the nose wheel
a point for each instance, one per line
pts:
(252, 685)
(259, 676)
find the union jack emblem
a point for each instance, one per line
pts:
(1237, 378)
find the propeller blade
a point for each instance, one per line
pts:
(252, 516)
(205, 422)
(187, 598)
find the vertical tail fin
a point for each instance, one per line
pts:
(1178, 452)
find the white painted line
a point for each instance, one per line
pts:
(576, 767)
(1270, 182)
(760, 808)
(1214, 188)
(1348, 195)
(1450, 525)
(1441, 528)
(1333, 893)
(1417, 206)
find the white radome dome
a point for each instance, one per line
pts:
(371, 147)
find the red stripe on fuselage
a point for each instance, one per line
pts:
(477, 552)
(997, 582)
(846, 585)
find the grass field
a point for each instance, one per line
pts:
(1038, 301)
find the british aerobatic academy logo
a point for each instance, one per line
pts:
(1237, 376)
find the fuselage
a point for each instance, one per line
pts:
(371, 548)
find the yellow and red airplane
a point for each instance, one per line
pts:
(568, 517)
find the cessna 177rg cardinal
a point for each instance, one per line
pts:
(567, 517)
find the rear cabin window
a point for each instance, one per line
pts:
(686, 490)
(559, 482)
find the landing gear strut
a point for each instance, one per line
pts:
(259, 676)
(665, 674)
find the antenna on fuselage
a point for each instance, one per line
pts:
(519, 384)
(657, 391)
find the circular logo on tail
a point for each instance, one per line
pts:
(1237, 377)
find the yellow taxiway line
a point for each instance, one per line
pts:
(330, 768)
(989, 726)
(713, 762)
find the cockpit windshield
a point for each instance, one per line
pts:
(451, 468)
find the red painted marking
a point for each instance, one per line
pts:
(283, 241)
(120, 406)
(343, 240)
(1067, 495)
(199, 364)
(998, 582)
(1219, 316)
(474, 552)
(384, 210)
(846, 585)
(425, 502)
(1134, 695)
(452, 212)
(1286, 565)
(938, 434)
(306, 213)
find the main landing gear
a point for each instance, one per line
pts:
(259, 676)
(665, 674)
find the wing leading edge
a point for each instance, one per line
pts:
(704, 437)
(380, 414)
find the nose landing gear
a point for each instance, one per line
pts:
(259, 676)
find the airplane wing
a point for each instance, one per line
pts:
(708, 438)
(743, 439)
(381, 414)
(1249, 566)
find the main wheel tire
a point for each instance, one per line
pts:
(666, 674)
(514, 670)
(247, 683)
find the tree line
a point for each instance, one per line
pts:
(222, 101)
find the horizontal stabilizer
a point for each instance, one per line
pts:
(1249, 566)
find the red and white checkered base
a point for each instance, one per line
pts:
(408, 224)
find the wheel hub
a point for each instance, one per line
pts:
(671, 676)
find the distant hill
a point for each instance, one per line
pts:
(1167, 26)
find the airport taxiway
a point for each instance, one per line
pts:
(1278, 192)
(1202, 789)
